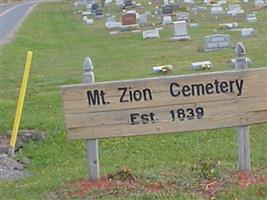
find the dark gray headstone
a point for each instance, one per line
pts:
(167, 10)
(94, 6)
(128, 3)
(216, 42)
(98, 12)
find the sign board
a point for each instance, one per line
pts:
(166, 104)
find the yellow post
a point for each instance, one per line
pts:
(20, 104)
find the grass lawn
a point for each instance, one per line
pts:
(60, 41)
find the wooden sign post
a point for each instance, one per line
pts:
(167, 105)
(92, 144)
(243, 131)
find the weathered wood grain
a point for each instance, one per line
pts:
(113, 119)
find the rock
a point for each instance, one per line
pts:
(10, 169)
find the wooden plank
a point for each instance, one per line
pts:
(244, 103)
(75, 97)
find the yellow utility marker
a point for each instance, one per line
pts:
(20, 104)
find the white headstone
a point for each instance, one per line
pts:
(166, 2)
(113, 25)
(166, 20)
(150, 34)
(119, 2)
(248, 32)
(216, 10)
(251, 17)
(143, 19)
(85, 18)
(180, 31)
(201, 65)
(235, 9)
(259, 3)
(183, 16)
(189, 1)
(89, 21)
(194, 25)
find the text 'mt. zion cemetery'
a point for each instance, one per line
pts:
(176, 103)
(168, 104)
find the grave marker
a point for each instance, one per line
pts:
(166, 20)
(183, 16)
(129, 19)
(246, 32)
(180, 31)
(218, 10)
(216, 42)
(151, 34)
(167, 10)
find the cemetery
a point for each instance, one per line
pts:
(151, 99)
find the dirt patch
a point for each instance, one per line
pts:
(24, 136)
(121, 183)
(248, 178)
(124, 183)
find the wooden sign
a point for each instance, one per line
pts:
(166, 104)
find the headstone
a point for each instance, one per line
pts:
(248, 32)
(167, 10)
(113, 25)
(157, 11)
(180, 31)
(114, 32)
(233, 62)
(143, 19)
(118, 2)
(131, 11)
(98, 13)
(151, 34)
(111, 18)
(94, 7)
(89, 21)
(189, 1)
(235, 9)
(216, 42)
(233, 25)
(201, 65)
(129, 19)
(166, 2)
(218, 10)
(159, 28)
(163, 68)
(251, 17)
(259, 3)
(166, 20)
(202, 9)
(194, 25)
(222, 2)
(128, 3)
(85, 18)
(85, 13)
(183, 16)
(136, 31)
(108, 2)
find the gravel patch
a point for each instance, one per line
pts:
(10, 169)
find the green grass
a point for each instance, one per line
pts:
(60, 41)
